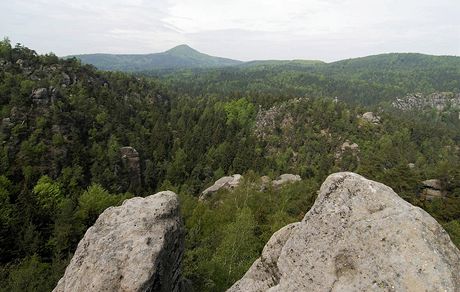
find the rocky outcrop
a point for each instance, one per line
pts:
(278, 120)
(358, 236)
(372, 118)
(130, 158)
(135, 247)
(437, 100)
(347, 146)
(286, 178)
(226, 182)
(44, 96)
(431, 188)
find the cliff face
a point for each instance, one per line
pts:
(358, 236)
(438, 100)
(135, 247)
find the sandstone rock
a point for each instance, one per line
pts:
(135, 247)
(347, 146)
(371, 118)
(226, 182)
(131, 159)
(358, 236)
(20, 62)
(432, 184)
(432, 188)
(430, 194)
(436, 100)
(286, 178)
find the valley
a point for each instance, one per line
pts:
(78, 139)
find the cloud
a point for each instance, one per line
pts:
(243, 29)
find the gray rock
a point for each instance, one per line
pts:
(286, 178)
(226, 182)
(358, 236)
(371, 118)
(135, 247)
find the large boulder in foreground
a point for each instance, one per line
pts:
(135, 247)
(358, 236)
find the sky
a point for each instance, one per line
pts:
(325, 30)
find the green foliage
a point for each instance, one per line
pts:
(236, 251)
(239, 111)
(227, 233)
(60, 162)
(5, 48)
(48, 193)
(453, 228)
(94, 201)
(31, 274)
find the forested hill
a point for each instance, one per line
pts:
(178, 57)
(369, 80)
(75, 141)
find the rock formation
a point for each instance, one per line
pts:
(130, 158)
(353, 148)
(226, 182)
(135, 247)
(286, 178)
(437, 100)
(431, 188)
(358, 236)
(371, 118)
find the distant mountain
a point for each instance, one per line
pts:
(393, 61)
(367, 80)
(268, 63)
(179, 57)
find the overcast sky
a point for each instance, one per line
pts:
(240, 29)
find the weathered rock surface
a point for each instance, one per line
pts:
(286, 178)
(226, 182)
(358, 236)
(135, 247)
